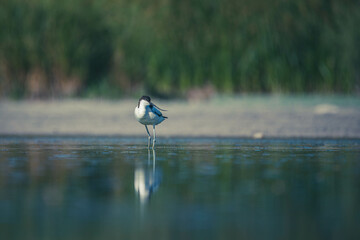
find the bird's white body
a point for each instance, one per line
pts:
(147, 115)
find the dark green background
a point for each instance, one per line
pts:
(113, 48)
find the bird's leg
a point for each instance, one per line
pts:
(154, 135)
(149, 139)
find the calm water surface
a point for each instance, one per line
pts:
(115, 188)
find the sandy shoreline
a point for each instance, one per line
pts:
(250, 116)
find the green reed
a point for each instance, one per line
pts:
(112, 48)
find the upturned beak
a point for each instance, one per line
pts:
(158, 107)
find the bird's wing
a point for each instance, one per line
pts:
(155, 110)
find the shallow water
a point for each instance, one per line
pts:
(197, 188)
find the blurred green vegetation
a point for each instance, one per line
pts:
(166, 47)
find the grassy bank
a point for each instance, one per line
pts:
(113, 48)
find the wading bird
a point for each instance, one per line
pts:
(148, 113)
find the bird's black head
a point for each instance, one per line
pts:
(146, 98)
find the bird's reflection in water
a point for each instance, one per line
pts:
(146, 179)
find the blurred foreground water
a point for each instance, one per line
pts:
(188, 188)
